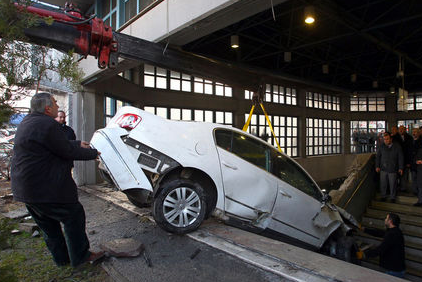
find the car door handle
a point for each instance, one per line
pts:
(285, 194)
(229, 165)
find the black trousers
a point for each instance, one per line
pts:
(71, 247)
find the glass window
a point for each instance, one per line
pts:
(323, 136)
(291, 173)
(223, 138)
(251, 150)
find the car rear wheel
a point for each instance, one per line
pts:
(180, 206)
(139, 197)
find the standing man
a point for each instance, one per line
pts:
(41, 178)
(391, 249)
(389, 161)
(68, 131)
(406, 146)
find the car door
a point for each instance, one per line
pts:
(249, 188)
(298, 201)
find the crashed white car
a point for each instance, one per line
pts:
(189, 170)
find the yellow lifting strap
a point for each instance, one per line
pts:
(245, 127)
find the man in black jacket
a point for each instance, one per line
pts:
(41, 178)
(389, 162)
(391, 249)
(68, 131)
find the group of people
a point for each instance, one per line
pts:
(363, 141)
(399, 156)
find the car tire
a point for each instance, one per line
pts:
(180, 206)
(139, 197)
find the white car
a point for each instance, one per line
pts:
(189, 170)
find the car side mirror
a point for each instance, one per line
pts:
(326, 198)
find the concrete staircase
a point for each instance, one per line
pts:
(411, 225)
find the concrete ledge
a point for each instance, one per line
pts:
(283, 259)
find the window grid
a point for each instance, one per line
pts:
(410, 124)
(111, 106)
(248, 95)
(192, 114)
(414, 102)
(285, 129)
(155, 77)
(322, 101)
(367, 104)
(362, 131)
(322, 137)
(280, 95)
(109, 12)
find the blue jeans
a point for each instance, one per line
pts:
(399, 274)
(73, 247)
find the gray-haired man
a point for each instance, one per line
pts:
(389, 161)
(41, 178)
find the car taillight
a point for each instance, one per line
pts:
(128, 121)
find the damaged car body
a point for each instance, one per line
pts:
(190, 170)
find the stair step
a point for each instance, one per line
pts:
(412, 274)
(401, 199)
(411, 248)
(396, 208)
(404, 218)
(409, 230)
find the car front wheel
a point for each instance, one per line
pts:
(180, 206)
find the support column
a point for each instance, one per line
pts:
(87, 112)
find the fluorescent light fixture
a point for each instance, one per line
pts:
(234, 41)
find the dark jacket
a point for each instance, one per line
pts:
(391, 249)
(41, 164)
(406, 144)
(68, 131)
(416, 145)
(390, 159)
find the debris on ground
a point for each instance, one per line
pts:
(123, 247)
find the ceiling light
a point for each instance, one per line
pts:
(234, 41)
(309, 15)
(325, 69)
(288, 57)
(392, 90)
(375, 84)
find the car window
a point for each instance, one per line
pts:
(223, 138)
(288, 171)
(251, 150)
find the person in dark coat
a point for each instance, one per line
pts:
(68, 131)
(389, 162)
(391, 250)
(416, 145)
(406, 146)
(41, 178)
(418, 162)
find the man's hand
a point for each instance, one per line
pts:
(98, 155)
(360, 254)
(85, 145)
(378, 169)
(400, 171)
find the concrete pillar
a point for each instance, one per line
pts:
(345, 134)
(86, 109)
(301, 103)
(391, 111)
